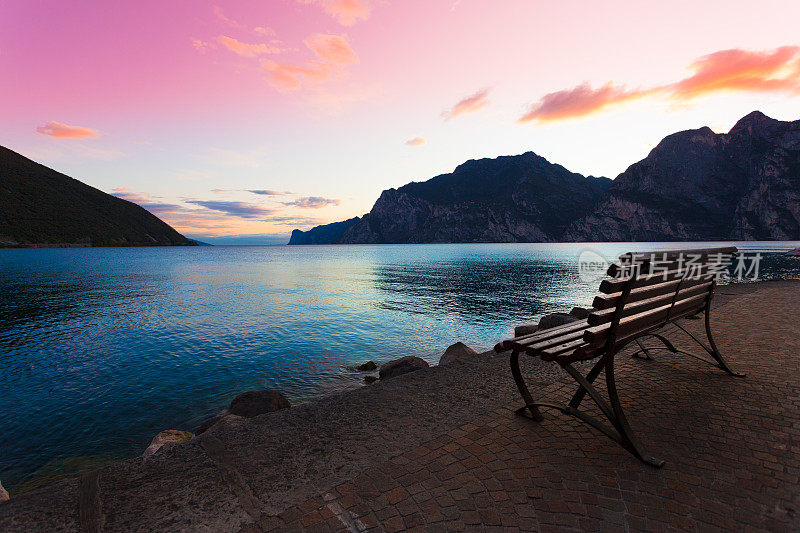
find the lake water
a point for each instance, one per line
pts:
(102, 348)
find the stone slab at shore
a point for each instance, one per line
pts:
(441, 448)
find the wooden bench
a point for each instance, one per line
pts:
(644, 293)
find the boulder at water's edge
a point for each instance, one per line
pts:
(456, 351)
(165, 439)
(527, 329)
(401, 366)
(258, 402)
(555, 319)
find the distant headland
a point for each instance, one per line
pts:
(40, 207)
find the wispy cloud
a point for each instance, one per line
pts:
(201, 46)
(161, 209)
(346, 12)
(131, 196)
(65, 131)
(267, 32)
(579, 101)
(333, 49)
(742, 70)
(247, 49)
(734, 70)
(260, 30)
(313, 202)
(287, 77)
(220, 14)
(416, 141)
(265, 192)
(208, 218)
(218, 217)
(237, 209)
(333, 53)
(470, 104)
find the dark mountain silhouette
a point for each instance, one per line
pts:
(324, 234)
(695, 185)
(39, 206)
(521, 198)
(701, 185)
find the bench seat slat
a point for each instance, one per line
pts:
(703, 272)
(588, 351)
(548, 343)
(608, 301)
(602, 316)
(597, 335)
(549, 333)
(550, 354)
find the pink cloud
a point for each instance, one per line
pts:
(346, 12)
(727, 70)
(246, 49)
(579, 101)
(470, 104)
(286, 77)
(332, 48)
(131, 196)
(229, 21)
(333, 52)
(416, 141)
(261, 30)
(742, 70)
(201, 46)
(63, 131)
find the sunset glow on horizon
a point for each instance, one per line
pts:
(239, 121)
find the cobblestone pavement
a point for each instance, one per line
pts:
(442, 450)
(731, 446)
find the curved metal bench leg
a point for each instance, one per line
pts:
(714, 351)
(711, 349)
(621, 422)
(530, 405)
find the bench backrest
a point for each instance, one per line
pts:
(648, 289)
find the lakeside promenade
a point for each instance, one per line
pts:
(440, 449)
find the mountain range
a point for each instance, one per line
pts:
(694, 185)
(42, 207)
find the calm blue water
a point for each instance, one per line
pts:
(102, 348)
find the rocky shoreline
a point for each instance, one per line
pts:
(258, 402)
(254, 403)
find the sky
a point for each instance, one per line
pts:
(238, 121)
